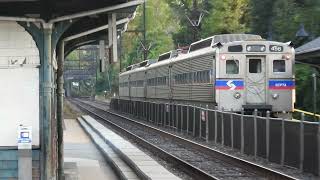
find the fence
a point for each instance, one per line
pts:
(286, 142)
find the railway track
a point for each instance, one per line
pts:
(199, 161)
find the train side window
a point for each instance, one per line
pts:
(190, 78)
(279, 66)
(255, 66)
(232, 67)
(207, 76)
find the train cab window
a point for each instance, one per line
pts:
(255, 66)
(232, 67)
(279, 66)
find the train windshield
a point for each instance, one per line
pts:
(232, 66)
(255, 65)
(279, 66)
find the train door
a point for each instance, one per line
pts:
(255, 80)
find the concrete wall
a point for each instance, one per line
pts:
(9, 165)
(19, 79)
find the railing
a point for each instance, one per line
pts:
(282, 141)
(309, 114)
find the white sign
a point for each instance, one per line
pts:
(24, 137)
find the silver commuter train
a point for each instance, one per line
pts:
(231, 71)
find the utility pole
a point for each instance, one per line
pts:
(145, 51)
(195, 19)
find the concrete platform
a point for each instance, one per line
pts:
(142, 164)
(82, 160)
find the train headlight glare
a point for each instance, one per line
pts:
(237, 95)
(275, 96)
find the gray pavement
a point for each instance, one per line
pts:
(82, 160)
(134, 156)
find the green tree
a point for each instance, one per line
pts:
(261, 17)
(228, 16)
(160, 25)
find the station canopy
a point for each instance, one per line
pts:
(53, 9)
(309, 53)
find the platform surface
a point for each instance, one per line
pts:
(150, 167)
(82, 160)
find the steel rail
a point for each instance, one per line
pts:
(249, 166)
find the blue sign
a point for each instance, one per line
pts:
(229, 84)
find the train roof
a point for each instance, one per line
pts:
(139, 66)
(194, 50)
(223, 38)
(169, 55)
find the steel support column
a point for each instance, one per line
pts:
(60, 117)
(114, 38)
(46, 92)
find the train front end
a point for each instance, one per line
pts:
(255, 75)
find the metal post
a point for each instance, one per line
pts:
(207, 124)
(162, 111)
(318, 137)
(268, 135)
(165, 115)
(181, 119)
(302, 141)
(194, 121)
(222, 127)
(242, 131)
(282, 141)
(145, 51)
(149, 110)
(158, 113)
(255, 133)
(114, 38)
(188, 107)
(157, 117)
(46, 88)
(232, 140)
(60, 117)
(162, 108)
(169, 115)
(143, 110)
(200, 124)
(216, 126)
(177, 117)
(314, 76)
(146, 110)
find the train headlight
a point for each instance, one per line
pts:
(286, 57)
(223, 57)
(237, 95)
(275, 96)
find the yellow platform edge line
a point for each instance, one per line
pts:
(306, 112)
